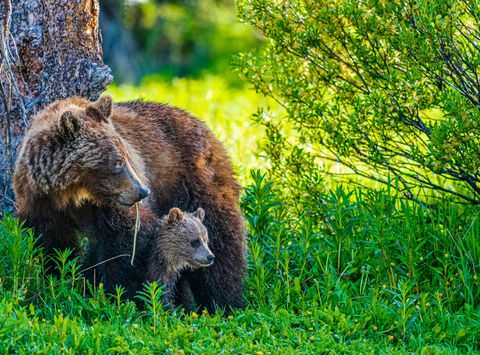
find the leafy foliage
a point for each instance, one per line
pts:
(368, 263)
(386, 88)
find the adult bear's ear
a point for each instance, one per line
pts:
(175, 215)
(101, 110)
(104, 105)
(200, 213)
(70, 125)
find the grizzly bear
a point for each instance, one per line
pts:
(82, 161)
(164, 247)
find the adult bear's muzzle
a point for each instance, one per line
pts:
(134, 190)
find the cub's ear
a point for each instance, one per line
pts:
(200, 213)
(104, 105)
(70, 125)
(175, 215)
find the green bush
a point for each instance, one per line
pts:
(386, 88)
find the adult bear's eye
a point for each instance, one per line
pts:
(118, 166)
(195, 243)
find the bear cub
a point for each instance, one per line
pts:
(165, 247)
(181, 243)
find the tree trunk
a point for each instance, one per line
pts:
(50, 49)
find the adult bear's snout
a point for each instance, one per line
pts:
(144, 192)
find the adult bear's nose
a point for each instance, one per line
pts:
(143, 192)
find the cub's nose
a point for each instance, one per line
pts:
(210, 258)
(143, 192)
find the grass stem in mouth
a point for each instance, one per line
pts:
(137, 227)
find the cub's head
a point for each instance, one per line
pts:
(72, 153)
(184, 240)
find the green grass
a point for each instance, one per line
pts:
(370, 264)
(337, 270)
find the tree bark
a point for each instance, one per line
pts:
(49, 50)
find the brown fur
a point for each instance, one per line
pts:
(65, 178)
(110, 235)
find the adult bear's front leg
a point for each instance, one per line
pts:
(56, 231)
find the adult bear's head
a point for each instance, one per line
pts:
(71, 154)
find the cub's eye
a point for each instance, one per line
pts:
(195, 243)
